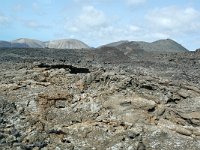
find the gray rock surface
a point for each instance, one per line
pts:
(99, 99)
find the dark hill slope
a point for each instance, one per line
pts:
(167, 45)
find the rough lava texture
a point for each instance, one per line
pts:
(99, 99)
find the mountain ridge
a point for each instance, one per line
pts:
(163, 45)
(34, 43)
(29, 43)
(69, 43)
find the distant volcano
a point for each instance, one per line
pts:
(166, 45)
(27, 43)
(66, 44)
(32, 43)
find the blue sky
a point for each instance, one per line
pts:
(98, 22)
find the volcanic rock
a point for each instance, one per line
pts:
(100, 98)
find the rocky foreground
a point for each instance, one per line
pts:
(99, 99)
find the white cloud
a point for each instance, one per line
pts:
(45, 2)
(135, 2)
(94, 25)
(92, 17)
(39, 8)
(88, 19)
(3, 19)
(18, 8)
(134, 28)
(174, 19)
(35, 6)
(91, 1)
(34, 24)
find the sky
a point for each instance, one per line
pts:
(98, 22)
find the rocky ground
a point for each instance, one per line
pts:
(99, 99)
